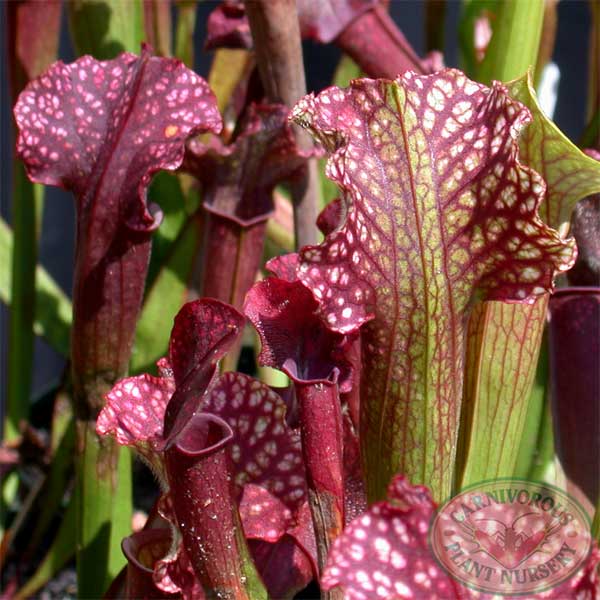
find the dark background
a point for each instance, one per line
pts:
(57, 240)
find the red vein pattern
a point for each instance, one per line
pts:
(438, 212)
(496, 390)
(569, 174)
(504, 341)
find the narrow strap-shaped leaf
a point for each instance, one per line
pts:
(59, 476)
(28, 201)
(32, 32)
(59, 554)
(438, 211)
(52, 307)
(228, 69)
(166, 191)
(184, 32)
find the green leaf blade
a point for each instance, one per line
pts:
(53, 311)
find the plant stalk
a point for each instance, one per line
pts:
(158, 26)
(107, 296)
(27, 215)
(376, 44)
(103, 509)
(30, 51)
(515, 42)
(435, 15)
(229, 242)
(276, 33)
(322, 447)
(184, 33)
(547, 37)
(199, 474)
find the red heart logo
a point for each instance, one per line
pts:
(508, 546)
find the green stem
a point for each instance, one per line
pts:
(104, 29)
(103, 510)
(184, 34)
(515, 42)
(278, 48)
(27, 214)
(543, 466)
(534, 431)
